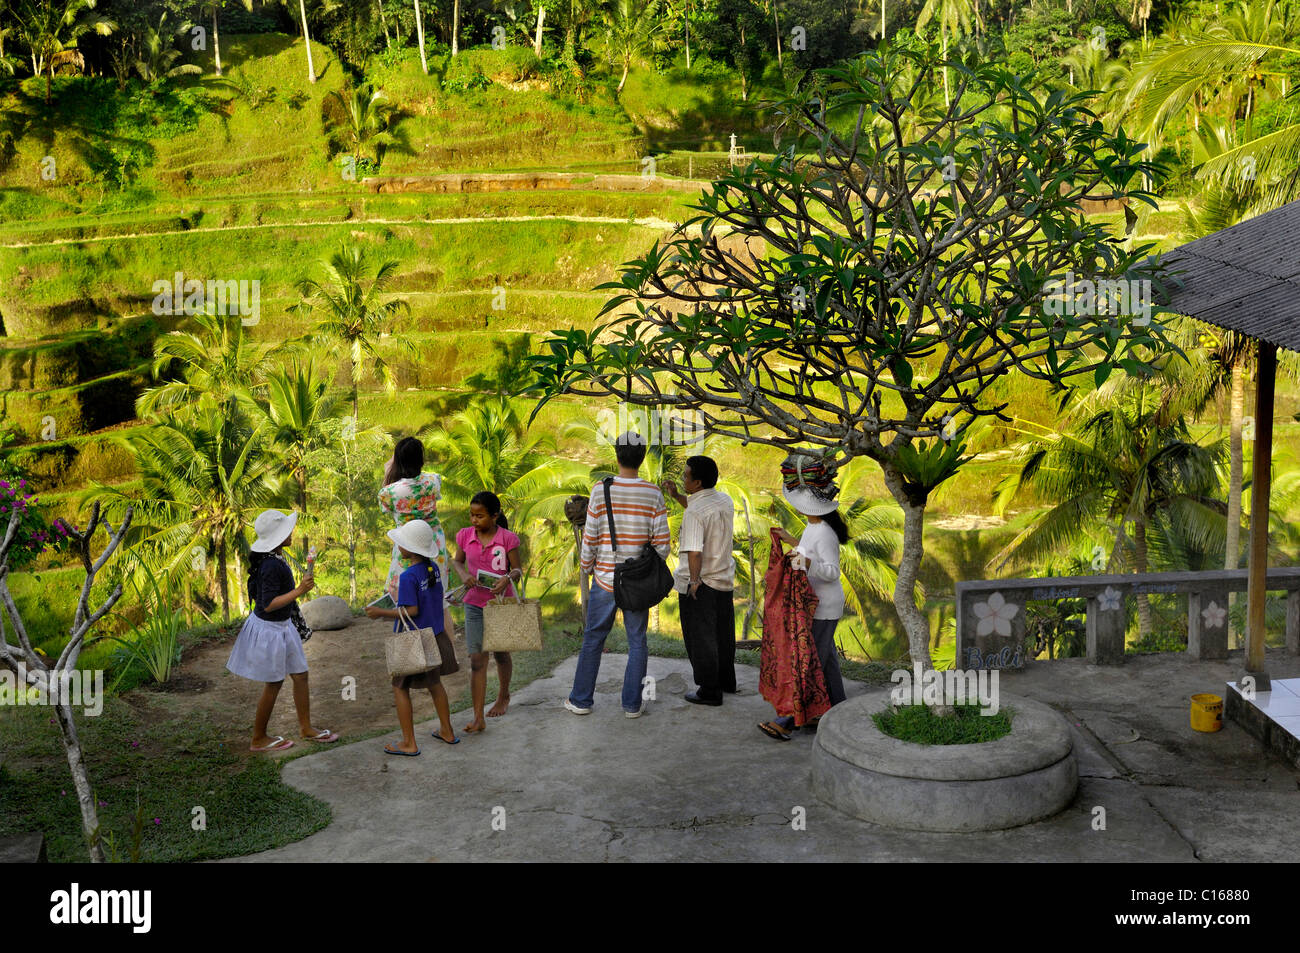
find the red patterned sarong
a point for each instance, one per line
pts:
(790, 671)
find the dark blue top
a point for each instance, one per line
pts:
(421, 586)
(272, 578)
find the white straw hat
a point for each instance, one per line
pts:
(417, 536)
(272, 528)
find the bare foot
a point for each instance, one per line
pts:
(475, 725)
(447, 735)
(499, 709)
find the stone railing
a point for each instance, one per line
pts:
(991, 613)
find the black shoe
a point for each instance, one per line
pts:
(695, 699)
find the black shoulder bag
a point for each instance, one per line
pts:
(643, 581)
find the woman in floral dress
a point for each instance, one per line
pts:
(411, 494)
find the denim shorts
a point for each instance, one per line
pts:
(473, 629)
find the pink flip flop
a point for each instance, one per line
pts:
(279, 744)
(324, 736)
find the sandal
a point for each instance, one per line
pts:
(324, 736)
(772, 730)
(405, 754)
(279, 744)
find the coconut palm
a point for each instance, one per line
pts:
(201, 481)
(51, 29)
(158, 56)
(367, 116)
(1130, 461)
(298, 408)
(955, 18)
(220, 367)
(356, 311)
(214, 7)
(1227, 67)
(631, 26)
(321, 6)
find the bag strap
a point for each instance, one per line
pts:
(408, 625)
(609, 515)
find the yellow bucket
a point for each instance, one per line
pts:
(1207, 712)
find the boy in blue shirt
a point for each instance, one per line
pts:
(419, 595)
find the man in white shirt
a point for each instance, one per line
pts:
(705, 579)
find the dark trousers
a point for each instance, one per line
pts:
(823, 633)
(709, 631)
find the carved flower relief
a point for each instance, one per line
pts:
(995, 615)
(1214, 614)
(1109, 600)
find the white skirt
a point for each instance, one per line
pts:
(267, 651)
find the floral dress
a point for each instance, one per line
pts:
(414, 498)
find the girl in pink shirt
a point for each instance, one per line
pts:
(486, 544)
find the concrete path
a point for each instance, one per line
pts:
(687, 783)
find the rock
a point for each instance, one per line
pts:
(23, 849)
(327, 612)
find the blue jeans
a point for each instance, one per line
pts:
(600, 619)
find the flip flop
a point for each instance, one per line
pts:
(279, 744)
(772, 731)
(324, 736)
(405, 754)
(444, 740)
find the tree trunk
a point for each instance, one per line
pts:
(301, 479)
(306, 37)
(776, 19)
(947, 98)
(455, 27)
(537, 40)
(80, 778)
(1236, 405)
(623, 79)
(419, 38)
(216, 40)
(687, 22)
(352, 574)
(1140, 565)
(388, 40)
(223, 580)
(915, 624)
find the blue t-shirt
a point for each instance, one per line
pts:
(421, 586)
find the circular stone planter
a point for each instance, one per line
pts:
(1027, 775)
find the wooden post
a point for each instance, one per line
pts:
(1259, 493)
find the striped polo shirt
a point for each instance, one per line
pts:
(640, 516)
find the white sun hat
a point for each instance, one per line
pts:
(272, 528)
(417, 536)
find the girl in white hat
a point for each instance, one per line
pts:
(269, 645)
(419, 595)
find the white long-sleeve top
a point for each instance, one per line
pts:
(820, 546)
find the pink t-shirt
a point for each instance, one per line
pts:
(492, 557)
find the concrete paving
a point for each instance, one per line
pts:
(690, 783)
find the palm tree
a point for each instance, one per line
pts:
(298, 407)
(1231, 63)
(356, 316)
(1130, 461)
(200, 483)
(158, 55)
(955, 17)
(367, 116)
(220, 365)
(324, 6)
(630, 27)
(51, 29)
(215, 7)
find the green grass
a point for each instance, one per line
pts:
(965, 725)
(164, 770)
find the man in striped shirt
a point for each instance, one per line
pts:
(640, 516)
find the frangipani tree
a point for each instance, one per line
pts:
(884, 282)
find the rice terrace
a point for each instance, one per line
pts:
(651, 431)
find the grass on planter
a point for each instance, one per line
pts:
(920, 725)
